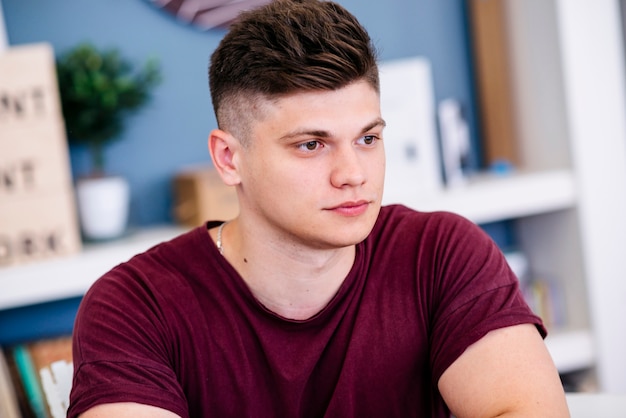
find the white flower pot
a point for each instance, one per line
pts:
(103, 207)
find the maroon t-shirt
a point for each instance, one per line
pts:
(177, 327)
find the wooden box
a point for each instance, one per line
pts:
(200, 195)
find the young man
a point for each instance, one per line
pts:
(314, 301)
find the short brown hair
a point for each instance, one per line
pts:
(285, 47)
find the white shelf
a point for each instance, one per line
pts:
(71, 276)
(571, 350)
(605, 405)
(489, 198)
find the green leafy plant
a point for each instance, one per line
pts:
(99, 89)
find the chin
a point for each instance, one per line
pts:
(354, 234)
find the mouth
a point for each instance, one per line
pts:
(351, 208)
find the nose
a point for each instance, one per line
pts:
(348, 168)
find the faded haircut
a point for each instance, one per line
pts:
(286, 47)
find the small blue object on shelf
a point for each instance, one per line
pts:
(501, 167)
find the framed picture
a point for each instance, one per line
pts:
(410, 137)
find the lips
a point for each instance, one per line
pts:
(351, 208)
(351, 204)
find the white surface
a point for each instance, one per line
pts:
(596, 405)
(571, 350)
(489, 198)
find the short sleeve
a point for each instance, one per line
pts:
(121, 351)
(474, 291)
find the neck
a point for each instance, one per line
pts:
(293, 281)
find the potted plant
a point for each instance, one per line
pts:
(99, 89)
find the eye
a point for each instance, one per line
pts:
(368, 139)
(310, 145)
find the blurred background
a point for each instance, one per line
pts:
(171, 132)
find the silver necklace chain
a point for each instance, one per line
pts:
(220, 248)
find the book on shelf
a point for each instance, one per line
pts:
(41, 374)
(543, 294)
(545, 298)
(493, 72)
(9, 407)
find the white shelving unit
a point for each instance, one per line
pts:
(569, 83)
(489, 198)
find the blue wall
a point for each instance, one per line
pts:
(172, 131)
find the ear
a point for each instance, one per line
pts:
(223, 148)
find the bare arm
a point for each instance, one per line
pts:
(130, 410)
(507, 373)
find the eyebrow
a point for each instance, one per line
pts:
(325, 134)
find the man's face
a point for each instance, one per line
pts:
(314, 167)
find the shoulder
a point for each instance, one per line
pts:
(436, 242)
(161, 272)
(397, 213)
(414, 241)
(177, 250)
(164, 257)
(401, 222)
(137, 321)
